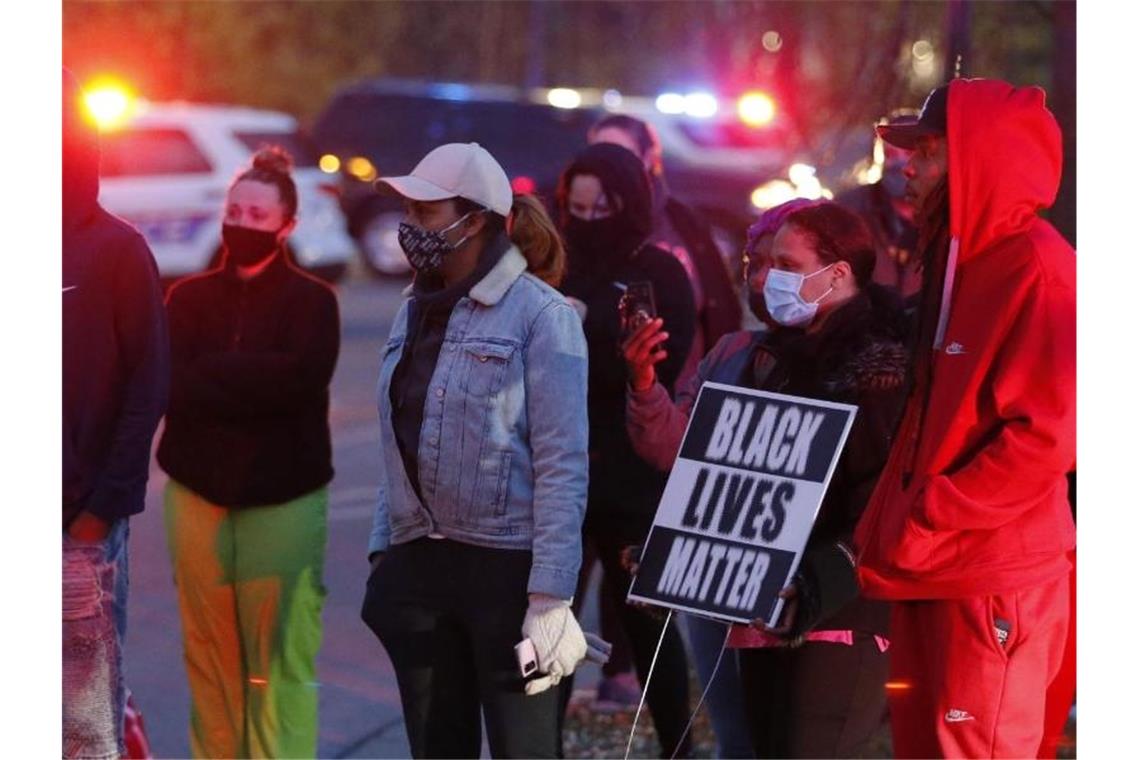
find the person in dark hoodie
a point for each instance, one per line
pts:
(606, 213)
(115, 383)
(247, 448)
(969, 531)
(681, 231)
(815, 685)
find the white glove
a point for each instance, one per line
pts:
(558, 641)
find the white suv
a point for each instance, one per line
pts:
(167, 168)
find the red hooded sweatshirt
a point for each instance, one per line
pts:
(986, 511)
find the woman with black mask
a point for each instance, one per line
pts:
(606, 214)
(247, 447)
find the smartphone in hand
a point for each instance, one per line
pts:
(527, 657)
(636, 307)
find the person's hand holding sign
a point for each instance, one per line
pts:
(790, 595)
(631, 563)
(801, 611)
(642, 350)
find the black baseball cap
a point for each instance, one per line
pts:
(931, 121)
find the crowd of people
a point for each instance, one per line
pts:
(528, 426)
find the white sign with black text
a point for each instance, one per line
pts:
(740, 502)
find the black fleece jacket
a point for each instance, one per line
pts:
(624, 490)
(252, 361)
(116, 369)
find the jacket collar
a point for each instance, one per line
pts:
(491, 289)
(273, 272)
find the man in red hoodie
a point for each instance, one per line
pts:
(969, 528)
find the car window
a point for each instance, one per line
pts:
(393, 131)
(527, 139)
(396, 131)
(295, 143)
(147, 151)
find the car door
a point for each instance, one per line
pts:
(159, 179)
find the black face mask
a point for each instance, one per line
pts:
(597, 247)
(247, 247)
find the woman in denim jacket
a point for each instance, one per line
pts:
(476, 539)
(814, 685)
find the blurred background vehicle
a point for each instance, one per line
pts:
(166, 166)
(384, 126)
(723, 153)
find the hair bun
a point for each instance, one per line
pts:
(273, 158)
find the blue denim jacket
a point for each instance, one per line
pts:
(503, 448)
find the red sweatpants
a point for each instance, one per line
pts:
(957, 691)
(1059, 697)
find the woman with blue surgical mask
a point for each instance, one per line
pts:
(814, 685)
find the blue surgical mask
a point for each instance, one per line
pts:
(783, 299)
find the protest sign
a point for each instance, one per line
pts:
(740, 502)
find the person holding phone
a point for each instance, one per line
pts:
(605, 204)
(814, 684)
(476, 537)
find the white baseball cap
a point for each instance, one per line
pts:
(464, 170)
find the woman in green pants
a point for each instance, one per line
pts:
(247, 448)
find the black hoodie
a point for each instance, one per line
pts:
(116, 368)
(624, 490)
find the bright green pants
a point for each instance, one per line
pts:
(250, 596)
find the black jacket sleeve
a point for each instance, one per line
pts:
(677, 309)
(143, 344)
(722, 312)
(826, 580)
(193, 391)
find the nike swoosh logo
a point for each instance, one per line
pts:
(70, 287)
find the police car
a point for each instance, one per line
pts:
(166, 167)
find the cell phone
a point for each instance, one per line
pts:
(636, 307)
(527, 657)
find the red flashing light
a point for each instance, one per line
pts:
(523, 185)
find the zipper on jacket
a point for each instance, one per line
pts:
(240, 321)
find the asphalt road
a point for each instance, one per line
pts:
(360, 704)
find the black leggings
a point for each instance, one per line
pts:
(449, 615)
(817, 700)
(668, 693)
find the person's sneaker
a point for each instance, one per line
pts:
(617, 692)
